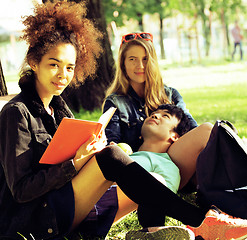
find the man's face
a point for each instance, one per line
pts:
(159, 125)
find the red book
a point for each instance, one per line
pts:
(70, 135)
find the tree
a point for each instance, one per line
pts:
(130, 9)
(126, 10)
(3, 88)
(90, 94)
(164, 9)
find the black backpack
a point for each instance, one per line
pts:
(222, 171)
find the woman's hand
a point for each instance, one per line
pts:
(88, 149)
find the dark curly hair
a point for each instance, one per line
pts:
(62, 22)
(184, 122)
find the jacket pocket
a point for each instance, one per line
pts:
(41, 142)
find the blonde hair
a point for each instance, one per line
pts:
(154, 92)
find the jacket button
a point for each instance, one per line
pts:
(142, 119)
(140, 110)
(50, 230)
(45, 204)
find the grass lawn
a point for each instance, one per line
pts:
(228, 102)
(206, 104)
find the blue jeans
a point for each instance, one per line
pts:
(240, 48)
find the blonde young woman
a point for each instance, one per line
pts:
(137, 90)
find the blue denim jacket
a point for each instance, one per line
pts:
(125, 125)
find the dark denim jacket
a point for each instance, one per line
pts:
(125, 125)
(25, 131)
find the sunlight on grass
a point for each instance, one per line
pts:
(219, 103)
(87, 115)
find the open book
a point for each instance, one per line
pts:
(70, 135)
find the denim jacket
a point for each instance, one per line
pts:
(125, 125)
(25, 132)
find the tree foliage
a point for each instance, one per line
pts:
(203, 11)
(121, 11)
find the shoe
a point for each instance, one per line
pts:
(162, 233)
(219, 225)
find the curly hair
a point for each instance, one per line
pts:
(62, 22)
(154, 92)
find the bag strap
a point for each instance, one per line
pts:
(233, 133)
(230, 125)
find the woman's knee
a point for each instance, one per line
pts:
(204, 132)
(207, 126)
(111, 161)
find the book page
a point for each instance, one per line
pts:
(106, 117)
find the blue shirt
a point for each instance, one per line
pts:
(161, 164)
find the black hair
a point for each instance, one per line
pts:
(184, 122)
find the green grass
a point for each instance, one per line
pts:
(219, 103)
(87, 115)
(206, 104)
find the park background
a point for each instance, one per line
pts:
(193, 43)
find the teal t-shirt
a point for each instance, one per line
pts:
(161, 164)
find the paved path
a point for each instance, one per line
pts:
(199, 76)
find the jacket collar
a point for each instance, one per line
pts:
(133, 94)
(30, 94)
(36, 106)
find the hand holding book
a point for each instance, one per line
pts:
(88, 149)
(73, 134)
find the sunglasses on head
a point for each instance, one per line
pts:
(132, 36)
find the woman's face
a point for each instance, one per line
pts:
(135, 64)
(55, 70)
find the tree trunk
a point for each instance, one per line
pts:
(190, 46)
(140, 22)
(223, 22)
(206, 31)
(90, 95)
(197, 40)
(3, 88)
(162, 50)
(178, 28)
(206, 25)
